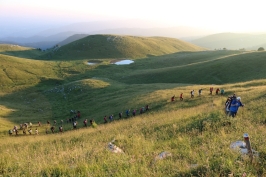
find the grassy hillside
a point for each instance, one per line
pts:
(19, 51)
(233, 41)
(202, 68)
(115, 46)
(195, 131)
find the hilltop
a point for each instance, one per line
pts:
(115, 46)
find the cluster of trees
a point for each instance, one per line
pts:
(261, 49)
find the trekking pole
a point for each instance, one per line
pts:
(247, 141)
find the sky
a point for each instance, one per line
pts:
(220, 16)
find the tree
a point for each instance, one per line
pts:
(261, 49)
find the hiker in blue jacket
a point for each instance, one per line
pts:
(235, 104)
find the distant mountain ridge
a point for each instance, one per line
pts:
(50, 37)
(231, 41)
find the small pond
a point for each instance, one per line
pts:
(90, 63)
(124, 62)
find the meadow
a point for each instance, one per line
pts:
(195, 131)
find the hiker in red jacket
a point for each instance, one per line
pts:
(181, 97)
(173, 98)
(211, 89)
(217, 91)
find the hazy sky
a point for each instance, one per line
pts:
(226, 15)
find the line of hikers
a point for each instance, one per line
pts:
(24, 127)
(192, 93)
(231, 105)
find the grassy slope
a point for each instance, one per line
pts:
(199, 135)
(193, 130)
(113, 46)
(19, 51)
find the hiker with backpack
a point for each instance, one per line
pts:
(105, 119)
(227, 105)
(200, 90)
(147, 108)
(211, 89)
(134, 112)
(30, 131)
(61, 129)
(78, 115)
(181, 97)
(235, 104)
(52, 129)
(217, 91)
(10, 132)
(192, 94)
(173, 98)
(120, 115)
(75, 125)
(85, 122)
(222, 91)
(127, 112)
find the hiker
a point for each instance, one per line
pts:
(75, 125)
(30, 131)
(217, 91)
(111, 118)
(227, 105)
(127, 112)
(26, 125)
(48, 123)
(61, 129)
(91, 121)
(200, 90)
(173, 98)
(39, 123)
(140, 111)
(120, 115)
(134, 112)
(147, 108)
(78, 115)
(192, 94)
(211, 89)
(105, 119)
(181, 97)
(222, 91)
(10, 132)
(85, 122)
(52, 129)
(235, 104)
(36, 131)
(16, 129)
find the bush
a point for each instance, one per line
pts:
(261, 49)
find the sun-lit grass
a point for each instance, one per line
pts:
(195, 131)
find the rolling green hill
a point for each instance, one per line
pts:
(115, 46)
(232, 41)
